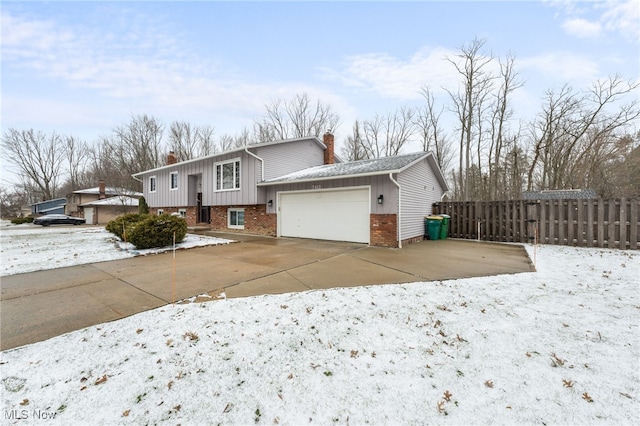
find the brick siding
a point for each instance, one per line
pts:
(256, 220)
(191, 213)
(384, 230)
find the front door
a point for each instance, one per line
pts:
(203, 211)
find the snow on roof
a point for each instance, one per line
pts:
(109, 190)
(374, 166)
(119, 200)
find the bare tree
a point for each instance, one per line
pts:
(11, 201)
(477, 82)
(501, 113)
(77, 153)
(353, 150)
(39, 159)
(575, 130)
(296, 118)
(432, 135)
(132, 148)
(189, 142)
(385, 136)
(139, 143)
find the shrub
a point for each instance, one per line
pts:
(119, 225)
(21, 220)
(156, 231)
(143, 207)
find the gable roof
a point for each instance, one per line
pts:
(118, 200)
(55, 201)
(231, 151)
(109, 190)
(372, 167)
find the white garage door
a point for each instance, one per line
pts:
(88, 215)
(340, 215)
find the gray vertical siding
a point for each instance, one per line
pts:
(290, 157)
(420, 189)
(205, 172)
(379, 185)
(164, 196)
(249, 175)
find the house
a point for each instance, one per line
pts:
(560, 194)
(55, 206)
(298, 188)
(101, 212)
(101, 204)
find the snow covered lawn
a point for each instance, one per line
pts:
(558, 346)
(29, 248)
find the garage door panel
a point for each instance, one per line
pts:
(328, 215)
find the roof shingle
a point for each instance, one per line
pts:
(362, 167)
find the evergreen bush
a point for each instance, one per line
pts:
(143, 207)
(119, 225)
(156, 231)
(21, 220)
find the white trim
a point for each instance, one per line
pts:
(235, 209)
(399, 230)
(236, 185)
(171, 187)
(155, 184)
(300, 191)
(261, 163)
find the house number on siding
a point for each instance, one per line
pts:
(316, 186)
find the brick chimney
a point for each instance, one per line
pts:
(102, 190)
(329, 151)
(171, 158)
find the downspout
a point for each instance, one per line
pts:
(261, 171)
(399, 209)
(261, 163)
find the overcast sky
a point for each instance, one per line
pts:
(83, 68)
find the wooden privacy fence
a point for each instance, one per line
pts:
(584, 223)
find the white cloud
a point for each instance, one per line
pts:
(611, 16)
(395, 78)
(623, 17)
(144, 70)
(566, 67)
(582, 28)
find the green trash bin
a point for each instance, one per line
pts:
(433, 224)
(444, 228)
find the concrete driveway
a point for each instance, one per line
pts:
(40, 305)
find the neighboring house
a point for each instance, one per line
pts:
(101, 212)
(56, 206)
(559, 194)
(295, 188)
(96, 206)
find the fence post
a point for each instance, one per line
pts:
(623, 224)
(532, 220)
(634, 218)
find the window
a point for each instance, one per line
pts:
(228, 175)
(152, 184)
(182, 212)
(174, 180)
(160, 211)
(235, 218)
